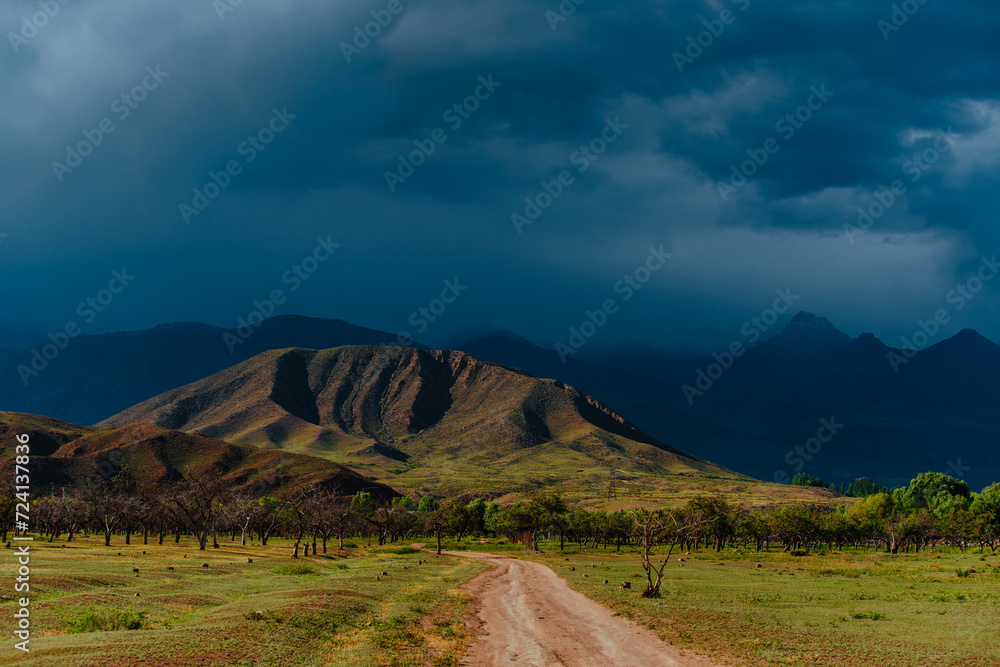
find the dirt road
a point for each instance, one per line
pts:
(532, 617)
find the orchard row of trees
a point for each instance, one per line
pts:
(933, 510)
(862, 487)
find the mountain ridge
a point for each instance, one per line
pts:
(432, 406)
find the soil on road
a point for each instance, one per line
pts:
(530, 616)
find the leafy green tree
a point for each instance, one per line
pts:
(881, 517)
(477, 516)
(939, 493)
(427, 504)
(862, 488)
(491, 516)
(716, 519)
(547, 509)
(434, 518)
(458, 518)
(403, 503)
(985, 509)
(518, 523)
(803, 479)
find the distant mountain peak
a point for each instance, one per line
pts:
(807, 334)
(967, 341)
(868, 338)
(806, 319)
(507, 335)
(971, 336)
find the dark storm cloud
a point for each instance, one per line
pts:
(559, 81)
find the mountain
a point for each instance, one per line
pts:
(806, 335)
(152, 454)
(46, 435)
(426, 419)
(95, 377)
(9, 336)
(940, 411)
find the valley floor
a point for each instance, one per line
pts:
(402, 605)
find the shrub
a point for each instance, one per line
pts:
(963, 572)
(873, 615)
(293, 568)
(100, 620)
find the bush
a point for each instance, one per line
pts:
(401, 551)
(963, 572)
(799, 552)
(872, 615)
(293, 568)
(101, 620)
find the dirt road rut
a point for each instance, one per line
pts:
(532, 617)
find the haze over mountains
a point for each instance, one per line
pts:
(96, 376)
(940, 411)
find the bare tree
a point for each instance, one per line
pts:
(331, 515)
(196, 500)
(657, 528)
(298, 512)
(243, 512)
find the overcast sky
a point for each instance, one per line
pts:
(664, 120)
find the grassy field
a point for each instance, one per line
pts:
(842, 608)
(322, 610)
(838, 608)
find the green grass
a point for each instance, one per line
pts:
(293, 569)
(399, 551)
(839, 609)
(83, 597)
(100, 620)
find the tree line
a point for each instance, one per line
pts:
(933, 510)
